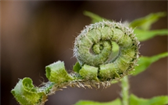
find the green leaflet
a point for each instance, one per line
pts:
(76, 67)
(26, 94)
(144, 35)
(115, 47)
(159, 100)
(145, 62)
(89, 72)
(115, 102)
(133, 100)
(56, 73)
(95, 18)
(145, 22)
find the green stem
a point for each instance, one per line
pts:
(125, 91)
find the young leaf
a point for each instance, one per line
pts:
(26, 94)
(143, 35)
(145, 62)
(89, 72)
(115, 47)
(159, 100)
(56, 73)
(76, 67)
(95, 18)
(145, 22)
(115, 102)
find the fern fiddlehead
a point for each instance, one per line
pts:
(93, 49)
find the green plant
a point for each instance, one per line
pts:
(96, 67)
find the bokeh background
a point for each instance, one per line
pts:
(37, 33)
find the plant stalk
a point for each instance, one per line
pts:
(125, 91)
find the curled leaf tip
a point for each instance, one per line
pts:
(94, 47)
(56, 73)
(27, 94)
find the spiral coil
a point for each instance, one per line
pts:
(93, 47)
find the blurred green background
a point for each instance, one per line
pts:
(37, 33)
